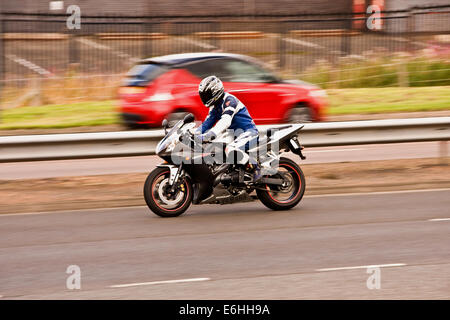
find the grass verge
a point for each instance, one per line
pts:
(385, 100)
(92, 113)
(342, 101)
(380, 71)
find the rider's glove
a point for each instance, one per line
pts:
(206, 137)
(196, 131)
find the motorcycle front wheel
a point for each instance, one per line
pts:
(160, 200)
(287, 196)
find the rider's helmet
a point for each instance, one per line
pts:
(210, 90)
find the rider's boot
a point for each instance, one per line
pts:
(257, 175)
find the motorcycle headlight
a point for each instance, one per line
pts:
(171, 145)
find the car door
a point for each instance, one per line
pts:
(253, 86)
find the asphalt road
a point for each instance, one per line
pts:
(52, 169)
(319, 250)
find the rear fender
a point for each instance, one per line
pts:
(288, 139)
(284, 133)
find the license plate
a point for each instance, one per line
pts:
(295, 144)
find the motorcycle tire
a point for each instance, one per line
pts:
(267, 196)
(152, 189)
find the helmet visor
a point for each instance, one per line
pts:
(207, 97)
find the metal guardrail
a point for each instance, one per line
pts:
(134, 143)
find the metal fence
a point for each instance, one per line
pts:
(39, 52)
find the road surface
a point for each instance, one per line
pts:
(319, 250)
(52, 169)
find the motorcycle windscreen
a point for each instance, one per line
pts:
(162, 145)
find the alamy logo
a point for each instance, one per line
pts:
(374, 280)
(374, 21)
(74, 20)
(74, 280)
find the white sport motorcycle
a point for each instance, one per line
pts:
(215, 173)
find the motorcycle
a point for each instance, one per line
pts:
(197, 173)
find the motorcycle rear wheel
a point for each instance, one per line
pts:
(157, 198)
(277, 198)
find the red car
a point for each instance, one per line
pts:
(167, 87)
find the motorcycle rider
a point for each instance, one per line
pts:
(226, 112)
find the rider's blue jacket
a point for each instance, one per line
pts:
(228, 113)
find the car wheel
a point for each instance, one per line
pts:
(131, 121)
(135, 126)
(299, 114)
(174, 117)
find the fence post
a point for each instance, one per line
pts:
(411, 28)
(74, 54)
(148, 44)
(345, 38)
(148, 29)
(281, 46)
(215, 29)
(402, 72)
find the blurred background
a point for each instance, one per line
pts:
(47, 60)
(377, 192)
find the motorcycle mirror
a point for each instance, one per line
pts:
(188, 118)
(165, 124)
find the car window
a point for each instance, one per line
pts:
(146, 71)
(205, 68)
(143, 73)
(242, 71)
(230, 70)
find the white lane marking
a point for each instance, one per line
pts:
(364, 267)
(304, 43)
(99, 46)
(307, 196)
(338, 150)
(158, 282)
(28, 64)
(197, 43)
(93, 44)
(373, 193)
(400, 39)
(439, 219)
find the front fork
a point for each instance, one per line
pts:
(174, 176)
